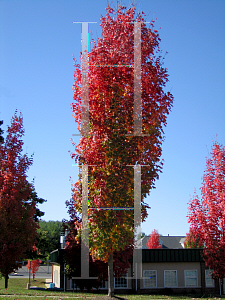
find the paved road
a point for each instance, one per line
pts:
(43, 272)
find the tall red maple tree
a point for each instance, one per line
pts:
(153, 241)
(207, 215)
(110, 149)
(17, 224)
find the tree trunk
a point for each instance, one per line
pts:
(110, 277)
(6, 280)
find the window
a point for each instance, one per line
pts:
(104, 285)
(170, 278)
(121, 282)
(73, 285)
(150, 282)
(190, 277)
(209, 282)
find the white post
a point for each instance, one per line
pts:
(137, 80)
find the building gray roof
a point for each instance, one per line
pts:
(167, 242)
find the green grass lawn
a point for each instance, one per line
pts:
(17, 290)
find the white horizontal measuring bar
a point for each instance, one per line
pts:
(111, 208)
(77, 165)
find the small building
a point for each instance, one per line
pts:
(163, 271)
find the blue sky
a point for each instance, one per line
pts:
(37, 43)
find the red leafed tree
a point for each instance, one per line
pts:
(110, 149)
(153, 241)
(17, 224)
(207, 215)
(33, 265)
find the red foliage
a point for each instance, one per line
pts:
(207, 216)
(110, 149)
(153, 241)
(33, 265)
(17, 225)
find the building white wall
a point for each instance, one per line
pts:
(56, 275)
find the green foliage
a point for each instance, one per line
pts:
(49, 236)
(35, 199)
(192, 240)
(190, 244)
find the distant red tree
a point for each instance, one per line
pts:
(33, 265)
(207, 216)
(17, 210)
(153, 241)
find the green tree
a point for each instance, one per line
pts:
(49, 236)
(193, 240)
(35, 199)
